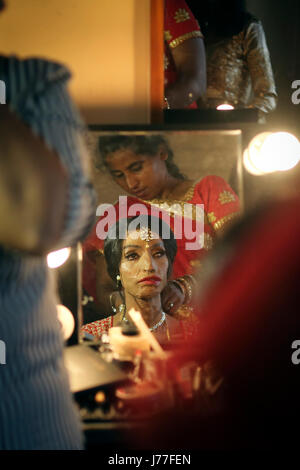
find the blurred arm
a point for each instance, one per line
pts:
(33, 188)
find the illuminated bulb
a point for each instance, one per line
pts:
(100, 397)
(282, 151)
(255, 156)
(269, 152)
(249, 165)
(224, 107)
(58, 258)
(66, 320)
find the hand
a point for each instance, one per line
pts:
(172, 298)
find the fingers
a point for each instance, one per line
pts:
(171, 303)
(172, 298)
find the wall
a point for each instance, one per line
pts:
(105, 43)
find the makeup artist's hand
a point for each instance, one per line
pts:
(172, 298)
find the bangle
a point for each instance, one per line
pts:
(180, 287)
(192, 280)
(187, 287)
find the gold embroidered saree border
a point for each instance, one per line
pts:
(220, 223)
(192, 34)
(185, 198)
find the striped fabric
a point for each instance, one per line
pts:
(36, 406)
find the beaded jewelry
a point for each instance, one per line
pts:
(160, 322)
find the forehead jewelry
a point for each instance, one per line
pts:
(146, 235)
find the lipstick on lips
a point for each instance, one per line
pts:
(150, 281)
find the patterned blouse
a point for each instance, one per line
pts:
(239, 70)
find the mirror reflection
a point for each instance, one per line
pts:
(187, 180)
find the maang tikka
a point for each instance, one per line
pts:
(146, 235)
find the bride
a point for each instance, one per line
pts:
(139, 253)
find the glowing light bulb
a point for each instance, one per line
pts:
(248, 164)
(224, 107)
(58, 258)
(285, 151)
(272, 151)
(66, 321)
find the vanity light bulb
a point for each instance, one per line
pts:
(224, 107)
(66, 321)
(58, 258)
(269, 152)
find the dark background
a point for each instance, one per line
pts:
(281, 22)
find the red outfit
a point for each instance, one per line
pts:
(180, 25)
(249, 323)
(221, 204)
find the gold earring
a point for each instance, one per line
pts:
(118, 281)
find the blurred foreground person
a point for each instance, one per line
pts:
(249, 331)
(46, 203)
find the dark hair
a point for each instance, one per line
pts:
(138, 144)
(228, 17)
(113, 243)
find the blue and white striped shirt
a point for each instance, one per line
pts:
(36, 406)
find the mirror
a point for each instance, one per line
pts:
(196, 153)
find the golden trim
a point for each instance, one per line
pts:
(192, 34)
(211, 217)
(225, 219)
(168, 35)
(208, 241)
(185, 198)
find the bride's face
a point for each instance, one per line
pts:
(144, 266)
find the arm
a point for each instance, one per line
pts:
(37, 93)
(260, 68)
(33, 188)
(190, 62)
(185, 60)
